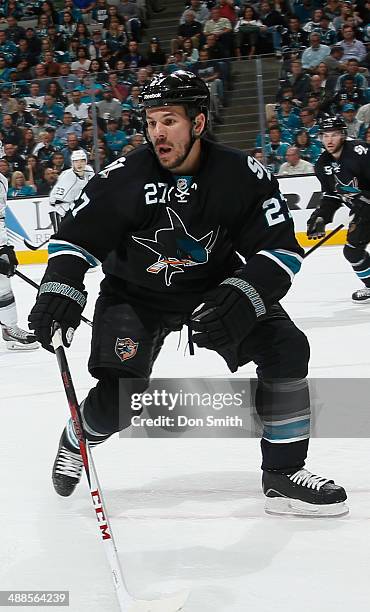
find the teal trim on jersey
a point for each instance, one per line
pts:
(287, 431)
(57, 248)
(188, 179)
(363, 273)
(289, 260)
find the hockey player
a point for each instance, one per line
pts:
(69, 186)
(168, 222)
(14, 337)
(343, 170)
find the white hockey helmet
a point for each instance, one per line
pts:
(79, 154)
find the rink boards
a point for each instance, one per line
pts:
(28, 220)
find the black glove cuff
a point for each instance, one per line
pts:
(65, 291)
(249, 292)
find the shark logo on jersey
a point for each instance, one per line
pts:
(347, 190)
(176, 248)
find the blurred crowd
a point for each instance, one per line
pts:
(92, 51)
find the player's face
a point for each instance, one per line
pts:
(79, 166)
(169, 130)
(332, 141)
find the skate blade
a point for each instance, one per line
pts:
(17, 346)
(172, 603)
(296, 507)
(366, 301)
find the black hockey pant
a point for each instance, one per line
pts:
(127, 340)
(358, 237)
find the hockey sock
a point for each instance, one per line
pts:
(360, 262)
(94, 437)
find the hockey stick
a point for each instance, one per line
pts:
(36, 286)
(34, 247)
(323, 240)
(127, 603)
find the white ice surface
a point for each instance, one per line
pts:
(186, 512)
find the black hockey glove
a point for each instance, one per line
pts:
(8, 260)
(58, 301)
(315, 225)
(226, 318)
(360, 205)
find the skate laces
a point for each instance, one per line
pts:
(363, 292)
(16, 332)
(306, 479)
(68, 463)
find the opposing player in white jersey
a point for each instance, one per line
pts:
(69, 186)
(14, 337)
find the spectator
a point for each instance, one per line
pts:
(247, 30)
(83, 34)
(28, 145)
(127, 149)
(295, 164)
(85, 6)
(68, 26)
(154, 55)
(34, 100)
(14, 32)
(41, 124)
(24, 52)
(45, 148)
(309, 122)
(88, 88)
(33, 170)
(363, 114)
(128, 122)
(68, 127)
(15, 161)
(209, 71)
(10, 133)
(49, 178)
(137, 140)
(115, 138)
(315, 53)
(355, 129)
(294, 37)
(109, 107)
(7, 103)
(313, 102)
(78, 109)
(130, 13)
(133, 99)
(349, 94)
(53, 109)
(116, 37)
(327, 82)
(22, 117)
(327, 31)
(221, 28)
(112, 15)
(273, 23)
(57, 162)
(100, 11)
(257, 153)
(19, 188)
(5, 168)
(227, 10)
(275, 149)
(72, 145)
(82, 61)
(352, 48)
(299, 81)
(66, 80)
(96, 42)
(133, 59)
(34, 43)
(39, 72)
(55, 90)
(353, 70)
(191, 54)
(287, 115)
(309, 150)
(190, 28)
(200, 10)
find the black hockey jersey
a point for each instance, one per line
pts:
(351, 170)
(171, 238)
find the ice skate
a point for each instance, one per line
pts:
(17, 339)
(361, 296)
(67, 468)
(302, 493)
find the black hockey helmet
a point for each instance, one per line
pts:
(327, 124)
(179, 88)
